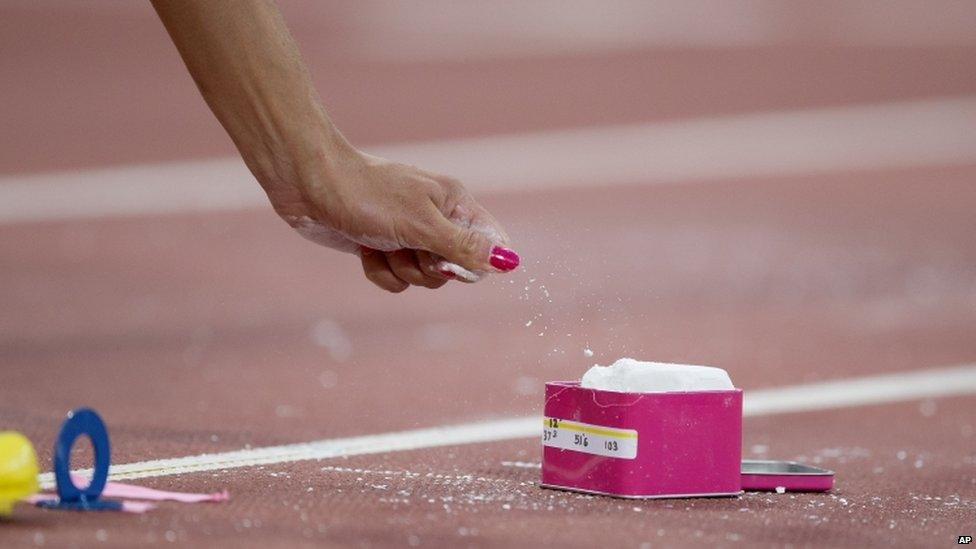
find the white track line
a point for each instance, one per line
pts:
(931, 132)
(902, 386)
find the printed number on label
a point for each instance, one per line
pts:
(591, 439)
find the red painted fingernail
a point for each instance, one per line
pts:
(448, 274)
(365, 250)
(503, 259)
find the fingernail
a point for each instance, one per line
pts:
(447, 273)
(365, 250)
(503, 259)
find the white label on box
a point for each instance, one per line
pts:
(589, 439)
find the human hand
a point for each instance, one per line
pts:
(409, 226)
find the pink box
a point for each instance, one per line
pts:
(642, 445)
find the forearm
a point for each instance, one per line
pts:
(406, 224)
(251, 74)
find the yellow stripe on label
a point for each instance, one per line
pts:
(589, 429)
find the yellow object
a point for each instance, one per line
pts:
(18, 469)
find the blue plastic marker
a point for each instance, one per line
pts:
(82, 421)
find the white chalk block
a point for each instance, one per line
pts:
(634, 376)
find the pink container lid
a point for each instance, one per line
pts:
(763, 475)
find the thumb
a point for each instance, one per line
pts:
(470, 247)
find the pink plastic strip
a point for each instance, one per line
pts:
(137, 506)
(128, 506)
(133, 492)
(120, 490)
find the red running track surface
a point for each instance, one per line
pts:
(195, 334)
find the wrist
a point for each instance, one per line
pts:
(321, 166)
(292, 149)
(331, 162)
(299, 163)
